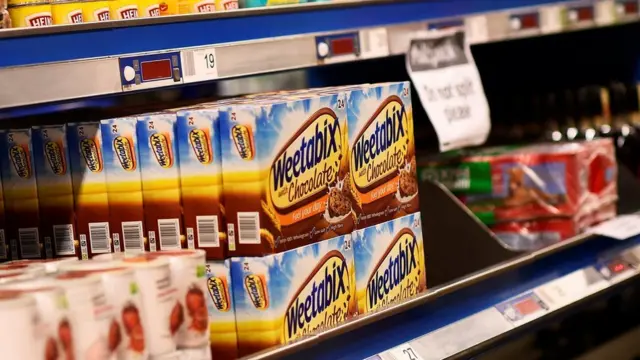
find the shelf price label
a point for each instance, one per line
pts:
(448, 83)
(199, 64)
(404, 352)
(620, 228)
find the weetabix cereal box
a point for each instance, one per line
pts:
(383, 184)
(160, 181)
(222, 313)
(55, 189)
(89, 188)
(201, 180)
(390, 262)
(282, 297)
(285, 169)
(20, 194)
(124, 185)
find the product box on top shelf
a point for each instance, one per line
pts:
(55, 189)
(285, 172)
(124, 185)
(282, 297)
(160, 181)
(198, 144)
(89, 188)
(222, 313)
(20, 194)
(390, 262)
(603, 172)
(382, 183)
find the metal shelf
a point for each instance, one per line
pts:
(470, 314)
(81, 61)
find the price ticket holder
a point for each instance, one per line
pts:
(148, 71)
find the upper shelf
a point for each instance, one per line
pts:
(79, 61)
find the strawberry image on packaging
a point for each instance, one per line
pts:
(55, 189)
(20, 194)
(124, 185)
(89, 188)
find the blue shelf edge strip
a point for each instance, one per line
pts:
(66, 46)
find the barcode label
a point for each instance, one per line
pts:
(83, 247)
(231, 233)
(48, 251)
(14, 249)
(248, 228)
(207, 231)
(133, 236)
(169, 233)
(190, 239)
(99, 237)
(3, 245)
(188, 65)
(29, 242)
(63, 239)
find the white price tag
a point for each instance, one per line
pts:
(449, 87)
(404, 352)
(571, 287)
(620, 228)
(199, 64)
(375, 43)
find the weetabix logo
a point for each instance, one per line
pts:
(243, 139)
(323, 299)
(219, 292)
(161, 149)
(380, 148)
(309, 163)
(256, 288)
(124, 152)
(201, 146)
(75, 17)
(53, 152)
(91, 153)
(398, 274)
(20, 161)
(39, 19)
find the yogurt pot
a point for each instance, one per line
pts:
(162, 314)
(18, 311)
(93, 318)
(54, 334)
(123, 293)
(189, 267)
(51, 266)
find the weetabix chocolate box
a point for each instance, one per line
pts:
(198, 142)
(222, 313)
(285, 165)
(160, 180)
(20, 194)
(55, 189)
(124, 185)
(282, 297)
(390, 262)
(89, 188)
(382, 183)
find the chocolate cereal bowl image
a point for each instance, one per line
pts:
(51, 349)
(177, 318)
(338, 207)
(66, 339)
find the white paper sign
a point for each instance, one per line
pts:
(199, 64)
(404, 352)
(620, 228)
(449, 87)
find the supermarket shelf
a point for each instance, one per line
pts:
(470, 314)
(82, 61)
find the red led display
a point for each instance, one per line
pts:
(527, 306)
(529, 21)
(343, 46)
(585, 13)
(155, 70)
